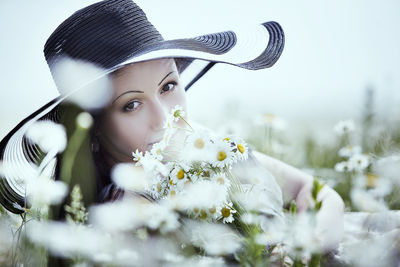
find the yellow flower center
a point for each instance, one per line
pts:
(159, 187)
(221, 156)
(226, 139)
(240, 148)
(225, 212)
(196, 210)
(199, 143)
(203, 215)
(177, 113)
(173, 193)
(212, 210)
(371, 180)
(221, 180)
(269, 117)
(180, 174)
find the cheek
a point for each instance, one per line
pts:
(127, 133)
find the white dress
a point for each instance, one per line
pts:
(263, 190)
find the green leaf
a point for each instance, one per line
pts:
(318, 205)
(315, 260)
(317, 186)
(293, 207)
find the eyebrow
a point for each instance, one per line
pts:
(135, 91)
(124, 93)
(164, 78)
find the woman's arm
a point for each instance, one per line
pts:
(297, 185)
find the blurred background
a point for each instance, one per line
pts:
(335, 51)
(330, 105)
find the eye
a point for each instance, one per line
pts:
(131, 106)
(170, 86)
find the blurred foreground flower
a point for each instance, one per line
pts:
(365, 201)
(43, 190)
(48, 135)
(215, 239)
(132, 214)
(129, 177)
(389, 167)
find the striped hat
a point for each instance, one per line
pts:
(104, 37)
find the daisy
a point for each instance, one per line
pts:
(169, 122)
(221, 179)
(150, 164)
(137, 156)
(213, 212)
(157, 149)
(198, 213)
(159, 187)
(359, 162)
(178, 177)
(344, 127)
(222, 154)
(197, 146)
(271, 121)
(344, 166)
(226, 213)
(239, 147)
(177, 113)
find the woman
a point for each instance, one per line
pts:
(110, 60)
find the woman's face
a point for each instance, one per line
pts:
(143, 95)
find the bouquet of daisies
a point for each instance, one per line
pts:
(193, 176)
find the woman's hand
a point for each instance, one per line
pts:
(297, 185)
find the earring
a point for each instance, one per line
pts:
(95, 144)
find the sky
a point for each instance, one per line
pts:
(334, 50)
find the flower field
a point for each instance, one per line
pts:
(189, 204)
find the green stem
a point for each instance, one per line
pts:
(185, 121)
(76, 141)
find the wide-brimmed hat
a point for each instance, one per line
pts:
(102, 38)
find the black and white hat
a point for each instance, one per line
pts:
(105, 36)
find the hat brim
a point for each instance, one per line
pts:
(252, 49)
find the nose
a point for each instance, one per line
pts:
(159, 112)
